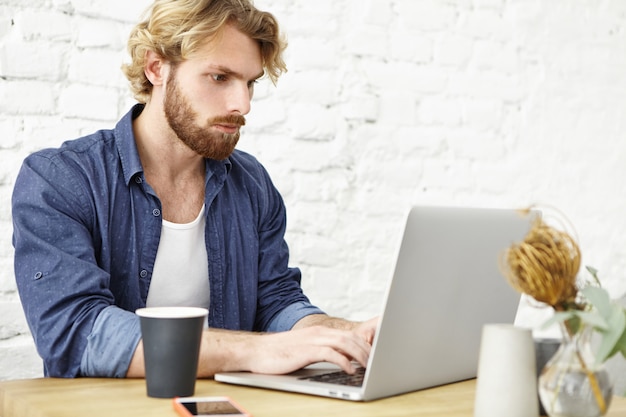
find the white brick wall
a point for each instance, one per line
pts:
(386, 103)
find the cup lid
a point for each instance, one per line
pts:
(172, 312)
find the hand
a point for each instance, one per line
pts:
(367, 329)
(285, 352)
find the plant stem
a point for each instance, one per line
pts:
(593, 381)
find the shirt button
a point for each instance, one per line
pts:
(143, 273)
(138, 179)
(38, 275)
(156, 212)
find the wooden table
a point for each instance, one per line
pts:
(89, 397)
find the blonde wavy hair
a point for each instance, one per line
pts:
(174, 29)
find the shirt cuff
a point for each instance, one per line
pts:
(290, 315)
(111, 344)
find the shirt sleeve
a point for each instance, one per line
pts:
(61, 286)
(281, 301)
(290, 315)
(111, 344)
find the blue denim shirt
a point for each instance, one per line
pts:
(86, 231)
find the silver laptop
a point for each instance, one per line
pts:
(446, 285)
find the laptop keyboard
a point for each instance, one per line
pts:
(339, 377)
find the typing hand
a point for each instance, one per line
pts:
(367, 329)
(285, 352)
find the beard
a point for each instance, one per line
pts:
(201, 139)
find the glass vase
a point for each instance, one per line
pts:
(572, 384)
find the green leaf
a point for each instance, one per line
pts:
(558, 317)
(594, 274)
(612, 335)
(600, 299)
(620, 347)
(621, 343)
(593, 319)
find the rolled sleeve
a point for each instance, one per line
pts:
(111, 344)
(290, 315)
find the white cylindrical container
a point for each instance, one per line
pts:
(506, 383)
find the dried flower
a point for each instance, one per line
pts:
(545, 266)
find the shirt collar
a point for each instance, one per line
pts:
(126, 146)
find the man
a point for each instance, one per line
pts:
(162, 210)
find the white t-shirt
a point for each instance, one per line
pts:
(181, 270)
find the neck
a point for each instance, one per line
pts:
(162, 154)
(175, 172)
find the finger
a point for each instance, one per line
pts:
(349, 344)
(335, 357)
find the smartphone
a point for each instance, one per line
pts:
(208, 406)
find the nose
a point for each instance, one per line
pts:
(239, 99)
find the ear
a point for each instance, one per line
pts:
(156, 68)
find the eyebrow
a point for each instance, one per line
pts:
(235, 74)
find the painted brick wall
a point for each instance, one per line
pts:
(387, 103)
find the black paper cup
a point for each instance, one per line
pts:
(171, 346)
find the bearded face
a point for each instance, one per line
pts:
(204, 139)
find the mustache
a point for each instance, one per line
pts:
(231, 119)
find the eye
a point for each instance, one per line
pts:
(218, 77)
(252, 83)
